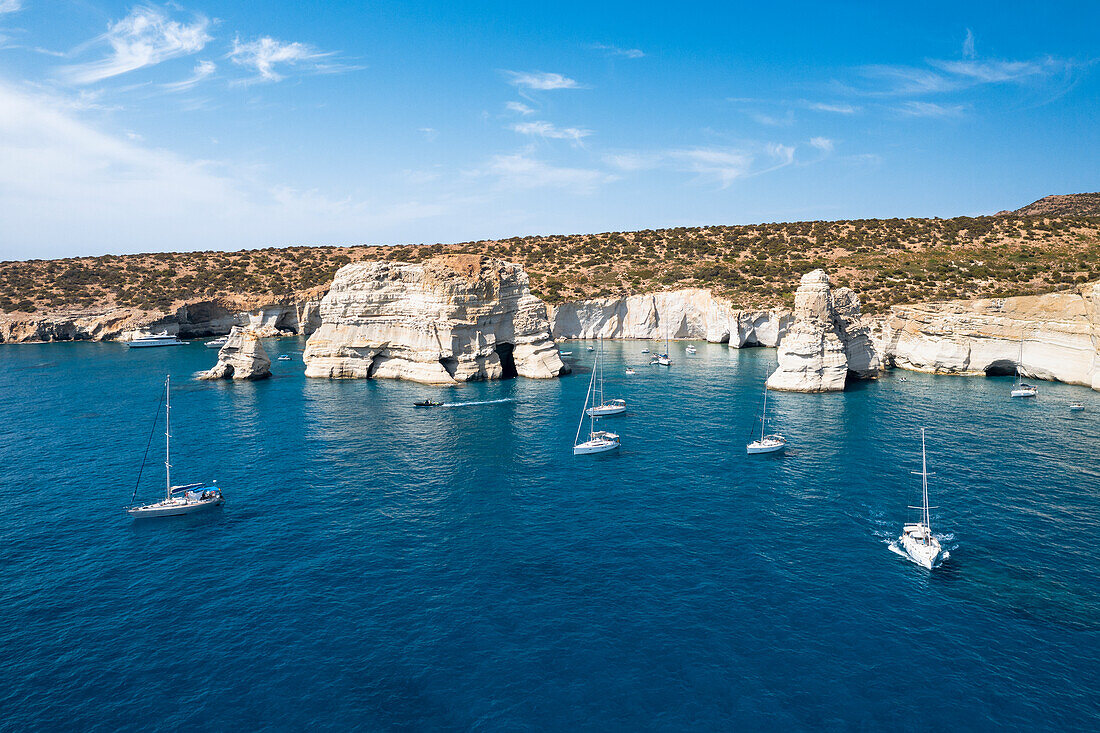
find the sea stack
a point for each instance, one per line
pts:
(452, 319)
(827, 340)
(242, 357)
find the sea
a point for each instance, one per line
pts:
(381, 567)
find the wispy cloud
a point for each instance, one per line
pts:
(629, 53)
(943, 76)
(930, 109)
(203, 69)
(147, 36)
(430, 133)
(522, 170)
(10, 6)
(840, 109)
(823, 144)
(549, 130)
(719, 165)
(540, 80)
(519, 108)
(998, 72)
(773, 120)
(265, 54)
(968, 45)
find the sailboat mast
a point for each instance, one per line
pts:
(599, 356)
(924, 478)
(167, 437)
(764, 413)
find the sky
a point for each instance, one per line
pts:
(207, 126)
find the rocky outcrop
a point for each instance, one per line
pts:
(827, 340)
(681, 314)
(1058, 333)
(242, 357)
(451, 319)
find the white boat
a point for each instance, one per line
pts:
(599, 441)
(184, 499)
(691, 349)
(766, 443)
(645, 351)
(216, 343)
(283, 357)
(1076, 406)
(663, 359)
(565, 353)
(630, 373)
(146, 341)
(1021, 388)
(590, 348)
(917, 539)
(605, 407)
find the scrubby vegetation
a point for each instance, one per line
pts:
(887, 261)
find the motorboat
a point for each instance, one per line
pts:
(216, 343)
(150, 340)
(565, 353)
(917, 539)
(178, 500)
(1076, 406)
(691, 349)
(283, 357)
(427, 403)
(630, 372)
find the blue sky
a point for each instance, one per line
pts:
(142, 127)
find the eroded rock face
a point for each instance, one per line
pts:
(826, 340)
(692, 313)
(1059, 333)
(452, 319)
(242, 357)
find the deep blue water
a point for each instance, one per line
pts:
(457, 568)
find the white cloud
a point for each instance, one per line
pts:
(10, 6)
(773, 121)
(930, 109)
(519, 108)
(265, 54)
(147, 36)
(823, 144)
(548, 130)
(996, 72)
(840, 109)
(540, 80)
(203, 69)
(968, 45)
(721, 165)
(430, 133)
(521, 170)
(630, 53)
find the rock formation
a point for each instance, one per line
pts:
(1060, 334)
(684, 314)
(826, 341)
(242, 357)
(451, 319)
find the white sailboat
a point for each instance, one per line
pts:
(917, 539)
(663, 359)
(1021, 388)
(599, 441)
(184, 499)
(605, 407)
(766, 443)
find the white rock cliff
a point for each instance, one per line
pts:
(826, 341)
(451, 319)
(242, 357)
(681, 314)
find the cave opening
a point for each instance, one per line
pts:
(1001, 368)
(507, 360)
(450, 363)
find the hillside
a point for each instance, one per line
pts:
(1072, 205)
(887, 262)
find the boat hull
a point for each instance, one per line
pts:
(174, 508)
(928, 557)
(151, 344)
(757, 447)
(1024, 393)
(595, 446)
(605, 410)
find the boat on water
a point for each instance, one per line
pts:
(691, 349)
(150, 340)
(645, 351)
(1021, 388)
(663, 359)
(605, 407)
(590, 348)
(917, 539)
(183, 499)
(1076, 406)
(599, 441)
(766, 443)
(565, 353)
(427, 403)
(216, 343)
(283, 357)
(630, 372)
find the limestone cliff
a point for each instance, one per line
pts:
(1059, 334)
(827, 340)
(451, 319)
(242, 357)
(681, 314)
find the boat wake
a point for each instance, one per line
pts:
(479, 402)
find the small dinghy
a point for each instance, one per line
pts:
(645, 351)
(630, 372)
(427, 403)
(590, 348)
(185, 499)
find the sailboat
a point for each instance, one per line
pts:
(663, 358)
(599, 441)
(605, 407)
(766, 443)
(917, 539)
(184, 499)
(1021, 388)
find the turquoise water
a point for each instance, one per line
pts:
(457, 568)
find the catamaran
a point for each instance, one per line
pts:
(766, 443)
(185, 499)
(1021, 388)
(917, 539)
(599, 441)
(605, 407)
